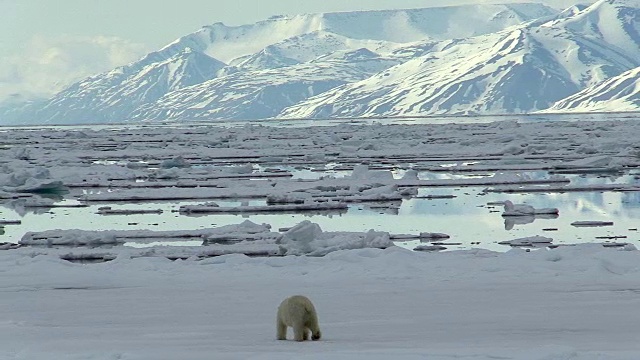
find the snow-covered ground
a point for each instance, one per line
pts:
(566, 303)
(72, 290)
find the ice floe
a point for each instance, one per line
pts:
(528, 241)
(249, 238)
(588, 223)
(511, 209)
(308, 238)
(244, 231)
(429, 248)
(107, 210)
(210, 208)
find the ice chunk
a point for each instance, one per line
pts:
(429, 248)
(590, 162)
(35, 180)
(176, 162)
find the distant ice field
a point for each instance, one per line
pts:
(445, 175)
(429, 119)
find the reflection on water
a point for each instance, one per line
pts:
(511, 221)
(467, 217)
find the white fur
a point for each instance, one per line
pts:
(298, 312)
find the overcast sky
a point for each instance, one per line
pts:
(44, 44)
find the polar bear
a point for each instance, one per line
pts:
(298, 312)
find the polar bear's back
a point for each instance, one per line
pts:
(295, 308)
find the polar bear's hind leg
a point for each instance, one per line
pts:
(281, 330)
(313, 327)
(299, 332)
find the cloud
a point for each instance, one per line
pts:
(47, 65)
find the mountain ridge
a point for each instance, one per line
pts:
(461, 80)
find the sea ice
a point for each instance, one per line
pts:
(307, 238)
(511, 209)
(591, 223)
(528, 241)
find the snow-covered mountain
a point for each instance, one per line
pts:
(260, 94)
(281, 42)
(458, 59)
(114, 95)
(520, 69)
(619, 93)
(16, 107)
